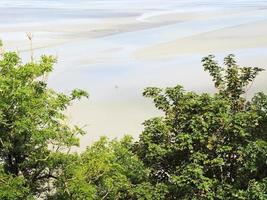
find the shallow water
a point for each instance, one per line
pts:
(46, 10)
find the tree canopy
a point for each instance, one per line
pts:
(33, 129)
(205, 146)
(107, 170)
(209, 146)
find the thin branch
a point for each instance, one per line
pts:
(30, 37)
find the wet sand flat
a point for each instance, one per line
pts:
(114, 49)
(251, 35)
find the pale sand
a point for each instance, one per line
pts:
(252, 35)
(49, 34)
(121, 114)
(53, 34)
(110, 118)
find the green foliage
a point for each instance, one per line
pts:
(13, 188)
(106, 170)
(233, 80)
(33, 132)
(204, 147)
(1, 47)
(209, 146)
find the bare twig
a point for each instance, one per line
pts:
(30, 37)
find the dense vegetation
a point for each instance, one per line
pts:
(206, 146)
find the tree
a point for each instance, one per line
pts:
(204, 147)
(34, 135)
(209, 146)
(107, 170)
(13, 187)
(1, 47)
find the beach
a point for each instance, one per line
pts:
(114, 49)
